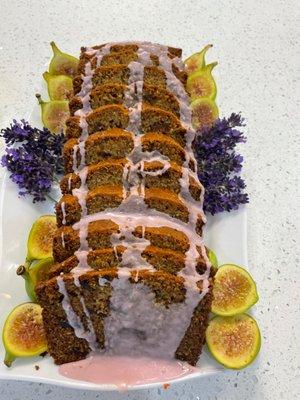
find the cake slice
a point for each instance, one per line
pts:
(153, 119)
(69, 210)
(117, 143)
(114, 93)
(119, 74)
(125, 55)
(111, 173)
(66, 239)
(162, 259)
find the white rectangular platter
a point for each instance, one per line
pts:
(226, 234)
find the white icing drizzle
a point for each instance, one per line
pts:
(133, 213)
(175, 86)
(92, 337)
(69, 182)
(63, 210)
(63, 240)
(81, 193)
(148, 218)
(99, 53)
(165, 166)
(135, 165)
(73, 319)
(139, 326)
(134, 247)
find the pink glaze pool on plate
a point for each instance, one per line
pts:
(124, 372)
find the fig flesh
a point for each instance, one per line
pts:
(201, 83)
(39, 244)
(234, 291)
(54, 114)
(233, 341)
(23, 333)
(62, 63)
(60, 87)
(204, 113)
(196, 61)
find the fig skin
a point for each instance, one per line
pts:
(29, 286)
(196, 61)
(39, 253)
(212, 257)
(201, 83)
(54, 114)
(23, 334)
(34, 273)
(60, 87)
(62, 63)
(233, 341)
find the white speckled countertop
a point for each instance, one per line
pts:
(256, 45)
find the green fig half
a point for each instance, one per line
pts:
(54, 114)
(62, 63)
(60, 87)
(196, 61)
(34, 273)
(40, 239)
(204, 113)
(233, 341)
(202, 84)
(23, 333)
(234, 291)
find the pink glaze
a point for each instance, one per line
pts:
(124, 372)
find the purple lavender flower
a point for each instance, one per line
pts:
(34, 160)
(219, 165)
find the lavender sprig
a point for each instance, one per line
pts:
(33, 156)
(219, 165)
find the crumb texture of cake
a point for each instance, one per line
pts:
(131, 274)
